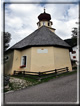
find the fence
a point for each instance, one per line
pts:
(42, 75)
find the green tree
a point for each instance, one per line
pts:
(74, 32)
(7, 38)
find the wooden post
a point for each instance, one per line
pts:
(23, 72)
(56, 72)
(39, 74)
(14, 72)
(67, 69)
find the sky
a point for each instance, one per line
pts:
(21, 18)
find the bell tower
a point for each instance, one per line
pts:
(45, 20)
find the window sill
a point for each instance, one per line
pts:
(23, 66)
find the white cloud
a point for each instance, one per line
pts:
(63, 29)
(21, 19)
(64, 17)
(15, 22)
(73, 12)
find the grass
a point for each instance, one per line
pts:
(63, 74)
(74, 68)
(11, 86)
(6, 90)
(26, 78)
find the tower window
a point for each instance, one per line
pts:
(48, 24)
(43, 23)
(39, 24)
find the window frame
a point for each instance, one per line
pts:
(25, 65)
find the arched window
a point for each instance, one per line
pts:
(43, 23)
(48, 24)
(39, 24)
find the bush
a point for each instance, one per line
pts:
(6, 80)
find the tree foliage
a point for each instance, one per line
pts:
(72, 41)
(7, 38)
(74, 32)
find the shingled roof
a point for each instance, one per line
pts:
(41, 37)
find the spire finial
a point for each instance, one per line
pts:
(44, 9)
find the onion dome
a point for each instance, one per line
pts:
(44, 16)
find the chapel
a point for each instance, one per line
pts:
(40, 51)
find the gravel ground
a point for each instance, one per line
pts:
(62, 89)
(17, 83)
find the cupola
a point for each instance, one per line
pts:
(45, 20)
(44, 16)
